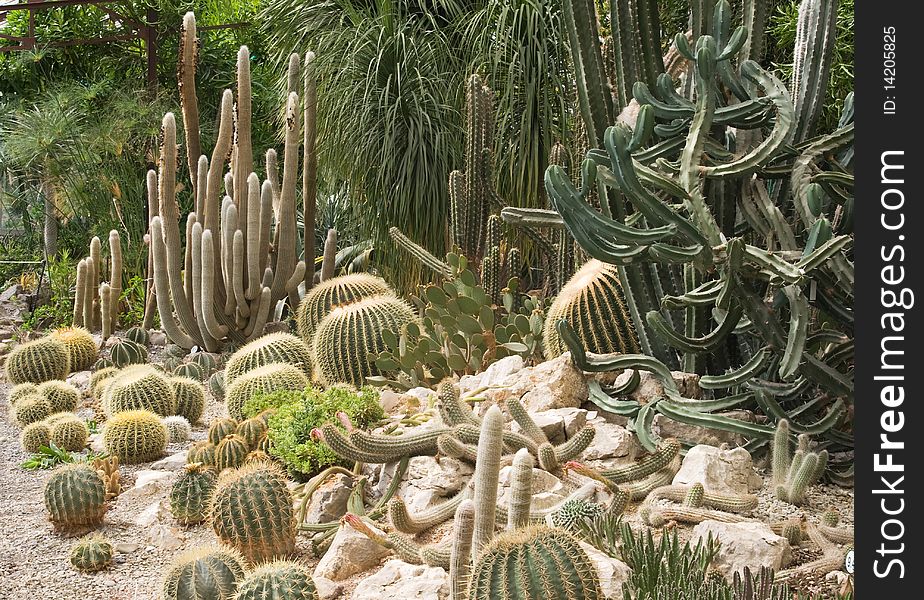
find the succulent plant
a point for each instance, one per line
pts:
(103, 363)
(139, 335)
(192, 493)
(82, 349)
(92, 553)
(99, 377)
(30, 409)
(794, 473)
(189, 370)
(207, 361)
(219, 428)
(269, 349)
(34, 436)
(75, 496)
(21, 390)
(252, 510)
(334, 292)
(573, 513)
(37, 361)
(231, 452)
(216, 385)
(190, 398)
(61, 396)
(278, 579)
(211, 572)
(176, 351)
(126, 352)
(348, 339)
(178, 429)
(140, 387)
(252, 431)
(70, 434)
(135, 436)
(534, 562)
(265, 379)
(201, 452)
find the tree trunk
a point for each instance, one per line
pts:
(51, 225)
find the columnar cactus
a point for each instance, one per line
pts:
(38, 361)
(349, 338)
(178, 429)
(332, 293)
(211, 572)
(70, 434)
(92, 553)
(269, 349)
(252, 511)
(487, 468)
(192, 493)
(794, 474)
(81, 347)
(135, 436)
(273, 377)
(278, 579)
(140, 387)
(190, 398)
(75, 497)
(34, 436)
(61, 396)
(534, 562)
(126, 352)
(231, 452)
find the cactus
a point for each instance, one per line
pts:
(61, 396)
(592, 302)
(273, 377)
(70, 434)
(38, 361)
(216, 384)
(211, 572)
(190, 398)
(487, 468)
(252, 510)
(140, 387)
(189, 371)
(332, 293)
(126, 352)
(108, 470)
(793, 475)
(207, 361)
(252, 431)
(21, 390)
(269, 349)
(178, 429)
(139, 335)
(201, 452)
(534, 562)
(349, 338)
(696, 496)
(192, 493)
(644, 466)
(81, 347)
(100, 377)
(75, 497)
(573, 513)
(521, 489)
(92, 553)
(135, 436)
(221, 428)
(34, 436)
(280, 578)
(231, 452)
(460, 556)
(30, 409)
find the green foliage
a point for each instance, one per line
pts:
(50, 456)
(273, 377)
(297, 413)
(58, 311)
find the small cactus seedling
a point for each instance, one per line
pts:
(92, 553)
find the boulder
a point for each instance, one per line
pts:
(398, 580)
(327, 589)
(650, 388)
(329, 501)
(610, 441)
(720, 471)
(157, 338)
(553, 384)
(429, 481)
(548, 489)
(612, 572)
(174, 462)
(496, 374)
(147, 483)
(751, 544)
(350, 552)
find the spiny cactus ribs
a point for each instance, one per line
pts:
(75, 497)
(135, 436)
(38, 361)
(212, 571)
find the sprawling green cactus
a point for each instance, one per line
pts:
(252, 431)
(140, 387)
(573, 513)
(211, 572)
(231, 452)
(696, 496)
(190, 398)
(61, 396)
(34, 436)
(178, 429)
(273, 377)
(139, 335)
(75, 496)
(534, 562)
(70, 434)
(278, 579)
(81, 347)
(189, 371)
(37, 361)
(252, 511)
(92, 553)
(334, 292)
(220, 428)
(135, 436)
(30, 409)
(126, 352)
(592, 303)
(269, 349)
(349, 338)
(201, 452)
(192, 493)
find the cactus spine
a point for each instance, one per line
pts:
(81, 347)
(192, 493)
(135, 436)
(278, 579)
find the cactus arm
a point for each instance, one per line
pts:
(254, 270)
(285, 224)
(815, 37)
(418, 252)
(487, 468)
(743, 374)
(802, 172)
(195, 278)
(704, 343)
(461, 553)
(309, 165)
(238, 261)
(214, 329)
(172, 328)
(575, 445)
(532, 217)
(80, 295)
(115, 277)
(243, 158)
(422, 443)
(676, 412)
(521, 416)
(798, 331)
(521, 491)
(258, 318)
(229, 222)
(213, 204)
(430, 517)
(329, 263)
(186, 80)
(594, 94)
(105, 300)
(342, 447)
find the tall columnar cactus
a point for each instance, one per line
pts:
(273, 377)
(815, 37)
(794, 473)
(190, 398)
(37, 361)
(81, 347)
(349, 338)
(192, 493)
(126, 352)
(592, 302)
(278, 579)
(135, 436)
(212, 572)
(89, 296)
(271, 348)
(332, 293)
(140, 387)
(487, 467)
(534, 562)
(75, 497)
(252, 511)
(232, 280)
(92, 553)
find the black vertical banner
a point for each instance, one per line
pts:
(889, 261)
